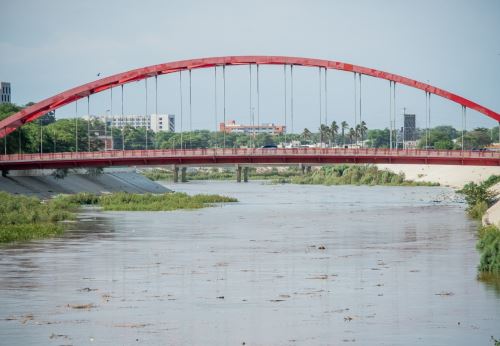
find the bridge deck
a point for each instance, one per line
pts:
(219, 156)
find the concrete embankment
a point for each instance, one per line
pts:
(452, 176)
(455, 177)
(43, 185)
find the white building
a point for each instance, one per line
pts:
(153, 122)
(5, 92)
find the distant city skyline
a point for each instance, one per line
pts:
(59, 45)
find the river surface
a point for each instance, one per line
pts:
(287, 265)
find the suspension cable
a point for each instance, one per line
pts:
(190, 114)
(394, 112)
(122, 124)
(326, 97)
(76, 126)
(429, 121)
(180, 96)
(224, 100)
(284, 89)
(258, 99)
(88, 122)
(146, 115)
(215, 104)
(360, 113)
(252, 121)
(390, 114)
(112, 117)
(355, 105)
(41, 136)
(291, 96)
(320, 108)
(155, 143)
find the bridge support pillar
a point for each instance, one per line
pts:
(5, 173)
(238, 173)
(302, 168)
(183, 175)
(176, 174)
(245, 174)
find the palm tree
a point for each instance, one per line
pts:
(362, 130)
(357, 131)
(324, 132)
(334, 130)
(344, 126)
(352, 134)
(306, 134)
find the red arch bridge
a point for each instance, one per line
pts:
(208, 157)
(240, 156)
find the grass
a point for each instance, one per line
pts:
(479, 198)
(353, 175)
(489, 248)
(327, 175)
(27, 218)
(123, 201)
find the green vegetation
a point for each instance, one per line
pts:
(60, 136)
(123, 201)
(328, 175)
(489, 248)
(352, 175)
(26, 218)
(225, 174)
(479, 198)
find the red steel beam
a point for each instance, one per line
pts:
(38, 109)
(201, 157)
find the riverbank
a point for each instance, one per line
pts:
(480, 199)
(25, 218)
(43, 184)
(326, 175)
(445, 175)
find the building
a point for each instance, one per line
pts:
(153, 122)
(233, 127)
(410, 130)
(5, 92)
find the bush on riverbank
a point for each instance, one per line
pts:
(479, 197)
(226, 174)
(26, 218)
(123, 201)
(353, 175)
(489, 247)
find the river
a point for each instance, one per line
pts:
(287, 265)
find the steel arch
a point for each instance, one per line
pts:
(35, 111)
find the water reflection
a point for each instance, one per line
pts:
(286, 265)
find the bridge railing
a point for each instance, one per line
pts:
(382, 152)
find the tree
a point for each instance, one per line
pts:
(344, 126)
(334, 130)
(324, 132)
(352, 134)
(362, 130)
(306, 134)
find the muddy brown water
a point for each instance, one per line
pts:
(287, 265)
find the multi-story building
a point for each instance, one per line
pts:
(233, 127)
(153, 122)
(5, 92)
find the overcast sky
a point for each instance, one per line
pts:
(49, 46)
